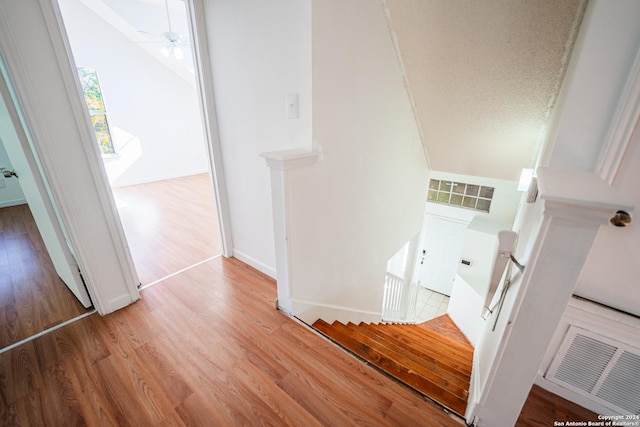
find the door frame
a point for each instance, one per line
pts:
(206, 97)
(37, 195)
(110, 288)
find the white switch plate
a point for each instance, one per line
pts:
(3, 184)
(292, 106)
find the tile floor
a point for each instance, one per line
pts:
(430, 304)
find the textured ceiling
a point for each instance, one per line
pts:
(484, 77)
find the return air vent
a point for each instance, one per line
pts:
(599, 368)
(625, 372)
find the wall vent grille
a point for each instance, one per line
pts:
(622, 385)
(599, 368)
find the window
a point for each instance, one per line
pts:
(95, 104)
(471, 196)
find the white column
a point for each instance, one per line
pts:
(576, 204)
(280, 162)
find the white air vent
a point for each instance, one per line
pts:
(599, 368)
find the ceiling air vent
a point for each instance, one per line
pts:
(598, 368)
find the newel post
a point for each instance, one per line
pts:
(576, 205)
(280, 163)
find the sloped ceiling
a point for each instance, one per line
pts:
(484, 77)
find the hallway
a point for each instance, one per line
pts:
(205, 347)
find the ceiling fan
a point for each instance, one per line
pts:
(172, 40)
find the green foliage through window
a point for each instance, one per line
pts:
(95, 104)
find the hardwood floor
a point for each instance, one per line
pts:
(205, 347)
(436, 361)
(170, 224)
(542, 408)
(32, 296)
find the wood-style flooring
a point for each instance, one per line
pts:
(32, 296)
(170, 225)
(436, 361)
(543, 408)
(205, 347)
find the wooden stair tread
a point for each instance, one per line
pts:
(431, 345)
(439, 369)
(342, 335)
(444, 379)
(430, 358)
(444, 325)
(420, 330)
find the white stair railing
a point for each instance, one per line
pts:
(399, 300)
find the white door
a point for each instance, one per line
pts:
(16, 143)
(442, 242)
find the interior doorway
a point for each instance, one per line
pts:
(40, 283)
(136, 69)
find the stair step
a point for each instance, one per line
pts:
(444, 325)
(434, 363)
(424, 331)
(453, 383)
(449, 391)
(426, 343)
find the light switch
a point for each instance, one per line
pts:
(3, 184)
(292, 106)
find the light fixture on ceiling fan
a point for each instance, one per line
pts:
(172, 39)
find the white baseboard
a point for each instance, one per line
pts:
(310, 311)
(258, 265)
(9, 203)
(119, 302)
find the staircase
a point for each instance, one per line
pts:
(431, 357)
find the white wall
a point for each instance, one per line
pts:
(465, 309)
(12, 194)
(153, 112)
(604, 53)
(589, 98)
(365, 198)
(611, 272)
(261, 51)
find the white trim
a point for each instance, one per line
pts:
(64, 57)
(14, 202)
(290, 159)
(260, 266)
(54, 168)
(206, 95)
(579, 196)
(623, 124)
(310, 311)
(279, 163)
